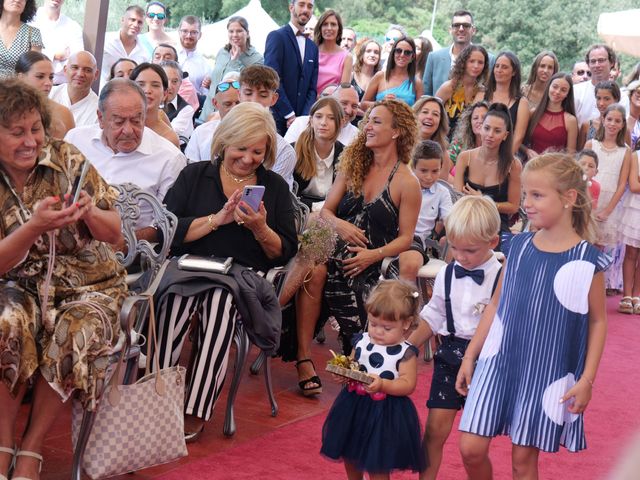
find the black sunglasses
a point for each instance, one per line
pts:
(401, 51)
(582, 72)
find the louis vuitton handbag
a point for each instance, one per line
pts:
(139, 425)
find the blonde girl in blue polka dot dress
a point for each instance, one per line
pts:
(375, 429)
(539, 342)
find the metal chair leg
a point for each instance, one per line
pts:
(241, 340)
(257, 363)
(81, 444)
(269, 384)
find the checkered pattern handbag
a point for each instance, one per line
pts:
(137, 426)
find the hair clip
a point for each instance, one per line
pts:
(415, 294)
(584, 177)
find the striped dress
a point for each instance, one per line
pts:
(536, 348)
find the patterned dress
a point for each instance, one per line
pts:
(345, 296)
(67, 350)
(26, 38)
(376, 436)
(536, 348)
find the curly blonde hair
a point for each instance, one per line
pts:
(356, 159)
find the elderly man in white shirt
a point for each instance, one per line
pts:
(347, 97)
(61, 36)
(123, 150)
(124, 43)
(81, 71)
(192, 61)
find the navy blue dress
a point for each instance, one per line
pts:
(536, 348)
(377, 436)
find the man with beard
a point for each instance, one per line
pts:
(295, 58)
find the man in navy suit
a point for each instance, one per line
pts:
(439, 63)
(295, 58)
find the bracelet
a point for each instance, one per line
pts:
(212, 225)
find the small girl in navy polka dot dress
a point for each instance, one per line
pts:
(375, 428)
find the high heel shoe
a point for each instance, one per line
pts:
(12, 452)
(191, 437)
(308, 390)
(27, 453)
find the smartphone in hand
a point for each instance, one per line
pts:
(77, 185)
(252, 196)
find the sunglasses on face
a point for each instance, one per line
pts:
(159, 16)
(400, 51)
(458, 26)
(582, 72)
(224, 86)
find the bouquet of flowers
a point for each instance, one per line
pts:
(317, 243)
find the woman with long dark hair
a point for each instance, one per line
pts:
(423, 49)
(398, 81)
(553, 124)
(544, 66)
(492, 169)
(466, 82)
(504, 87)
(367, 64)
(334, 63)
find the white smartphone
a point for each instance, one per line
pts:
(252, 196)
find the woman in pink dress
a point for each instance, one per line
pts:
(335, 64)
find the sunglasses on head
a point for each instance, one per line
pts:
(224, 86)
(582, 72)
(401, 51)
(159, 16)
(391, 39)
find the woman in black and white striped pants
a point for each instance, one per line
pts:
(215, 217)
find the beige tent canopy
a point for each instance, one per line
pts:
(621, 31)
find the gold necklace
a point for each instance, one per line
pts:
(237, 179)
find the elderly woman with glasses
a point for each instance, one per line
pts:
(399, 80)
(233, 57)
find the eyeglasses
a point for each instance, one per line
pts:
(458, 26)
(391, 39)
(595, 61)
(159, 16)
(583, 72)
(400, 51)
(224, 86)
(190, 33)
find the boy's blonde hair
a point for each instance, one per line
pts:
(395, 300)
(473, 218)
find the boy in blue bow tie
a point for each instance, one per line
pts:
(460, 292)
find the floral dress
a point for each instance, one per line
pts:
(68, 343)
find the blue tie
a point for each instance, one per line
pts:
(476, 275)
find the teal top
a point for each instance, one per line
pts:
(404, 92)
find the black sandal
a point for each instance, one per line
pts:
(308, 390)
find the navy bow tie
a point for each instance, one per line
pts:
(476, 275)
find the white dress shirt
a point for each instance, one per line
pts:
(436, 203)
(182, 123)
(199, 146)
(194, 62)
(347, 134)
(467, 301)
(301, 39)
(114, 50)
(199, 149)
(85, 111)
(320, 184)
(153, 166)
(58, 36)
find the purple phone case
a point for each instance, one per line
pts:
(252, 196)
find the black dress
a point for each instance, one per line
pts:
(498, 193)
(345, 296)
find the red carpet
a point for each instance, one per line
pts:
(291, 452)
